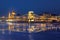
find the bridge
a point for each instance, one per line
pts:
(30, 17)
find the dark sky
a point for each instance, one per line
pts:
(23, 6)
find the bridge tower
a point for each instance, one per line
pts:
(30, 16)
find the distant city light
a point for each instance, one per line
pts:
(30, 17)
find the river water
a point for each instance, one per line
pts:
(29, 31)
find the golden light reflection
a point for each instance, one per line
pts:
(32, 27)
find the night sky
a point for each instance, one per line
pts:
(23, 6)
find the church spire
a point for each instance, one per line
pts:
(9, 15)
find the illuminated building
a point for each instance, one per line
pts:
(11, 16)
(31, 17)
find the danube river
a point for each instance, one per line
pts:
(29, 31)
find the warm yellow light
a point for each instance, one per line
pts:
(32, 20)
(13, 13)
(30, 30)
(31, 11)
(9, 20)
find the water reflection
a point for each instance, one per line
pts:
(28, 27)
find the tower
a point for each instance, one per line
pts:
(13, 14)
(30, 16)
(9, 16)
